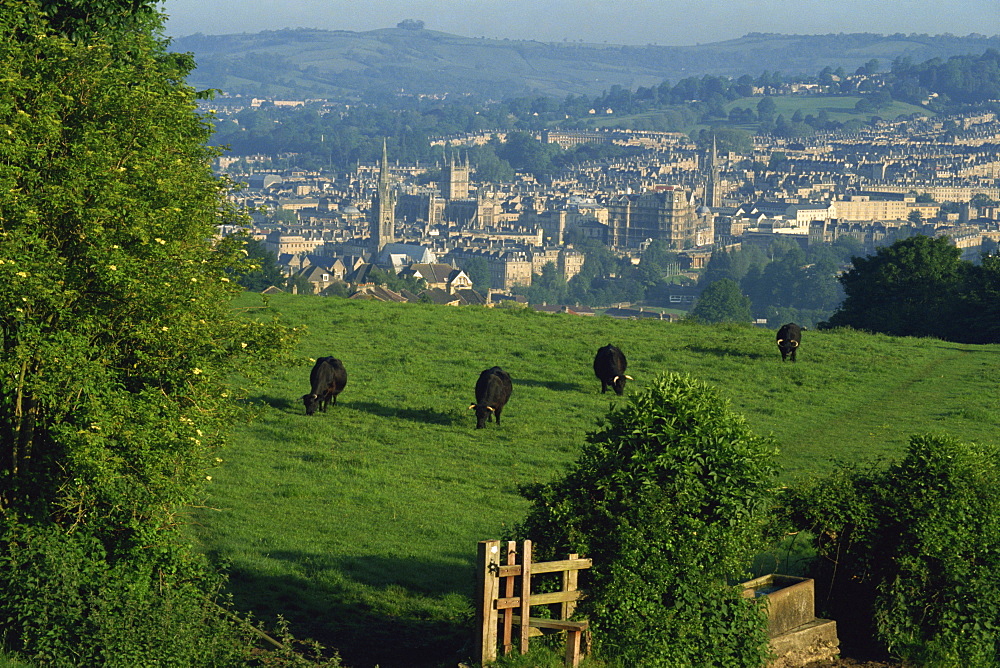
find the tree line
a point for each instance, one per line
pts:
(921, 286)
(781, 282)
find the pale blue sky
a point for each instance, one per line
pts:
(615, 21)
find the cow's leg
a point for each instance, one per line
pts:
(496, 413)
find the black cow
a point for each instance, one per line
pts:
(492, 392)
(609, 367)
(328, 378)
(789, 338)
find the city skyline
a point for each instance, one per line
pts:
(595, 21)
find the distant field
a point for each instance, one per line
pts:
(838, 108)
(360, 525)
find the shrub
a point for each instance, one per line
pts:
(669, 498)
(65, 604)
(918, 545)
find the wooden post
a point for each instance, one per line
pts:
(508, 614)
(570, 579)
(488, 586)
(525, 594)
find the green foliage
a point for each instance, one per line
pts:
(669, 498)
(917, 542)
(82, 19)
(478, 271)
(722, 301)
(918, 286)
(262, 270)
(67, 604)
(391, 280)
(119, 345)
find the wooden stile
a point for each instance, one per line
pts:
(514, 594)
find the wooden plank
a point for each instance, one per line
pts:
(540, 599)
(488, 587)
(556, 566)
(547, 567)
(525, 592)
(556, 624)
(508, 615)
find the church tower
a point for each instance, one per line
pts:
(383, 223)
(457, 180)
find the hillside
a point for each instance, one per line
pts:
(305, 63)
(359, 525)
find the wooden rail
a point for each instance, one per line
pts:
(506, 588)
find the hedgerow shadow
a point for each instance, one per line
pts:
(424, 415)
(351, 605)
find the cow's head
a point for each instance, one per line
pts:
(618, 383)
(311, 401)
(483, 414)
(787, 346)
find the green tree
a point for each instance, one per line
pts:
(527, 154)
(669, 498)
(766, 108)
(722, 301)
(478, 271)
(263, 270)
(910, 288)
(119, 347)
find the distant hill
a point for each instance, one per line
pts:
(305, 63)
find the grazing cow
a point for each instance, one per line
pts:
(328, 378)
(789, 338)
(609, 367)
(492, 392)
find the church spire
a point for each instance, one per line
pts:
(383, 230)
(713, 194)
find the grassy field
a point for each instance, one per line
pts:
(838, 108)
(360, 525)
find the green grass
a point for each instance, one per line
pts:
(360, 525)
(838, 108)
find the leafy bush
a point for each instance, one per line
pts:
(917, 545)
(669, 498)
(65, 604)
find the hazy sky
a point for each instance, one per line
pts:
(614, 21)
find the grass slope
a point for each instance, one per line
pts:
(360, 525)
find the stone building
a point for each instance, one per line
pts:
(664, 213)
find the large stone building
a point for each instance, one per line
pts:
(664, 213)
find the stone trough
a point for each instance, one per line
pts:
(797, 636)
